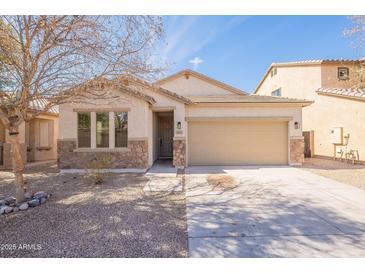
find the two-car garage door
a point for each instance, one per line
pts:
(237, 142)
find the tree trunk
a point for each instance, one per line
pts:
(18, 165)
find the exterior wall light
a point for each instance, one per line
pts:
(296, 125)
(178, 126)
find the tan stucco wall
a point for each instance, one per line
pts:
(27, 136)
(325, 112)
(295, 82)
(240, 111)
(329, 76)
(33, 138)
(333, 111)
(194, 87)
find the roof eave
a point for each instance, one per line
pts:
(343, 96)
(300, 103)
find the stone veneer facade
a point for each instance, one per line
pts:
(296, 150)
(135, 156)
(179, 153)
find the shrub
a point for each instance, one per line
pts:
(97, 168)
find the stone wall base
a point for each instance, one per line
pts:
(135, 157)
(296, 151)
(179, 153)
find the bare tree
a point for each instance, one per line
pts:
(57, 57)
(357, 32)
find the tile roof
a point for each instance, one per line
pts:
(354, 93)
(40, 104)
(156, 88)
(247, 99)
(103, 83)
(315, 61)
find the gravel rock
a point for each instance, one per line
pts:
(2, 210)
(10, 200)
(42, 200)
(6, 209)
(28, 195)
(117, 219)
(40, 194)
(33, 202)
(23, 206)
(16, 209)
(2, 202)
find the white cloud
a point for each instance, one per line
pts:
(177, 30)
(196, 62)
(186, 35)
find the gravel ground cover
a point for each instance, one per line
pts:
(81, 219)
(340, 171)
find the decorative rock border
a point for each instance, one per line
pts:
(9, 204)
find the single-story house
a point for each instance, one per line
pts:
(38, 137)
(188, 117)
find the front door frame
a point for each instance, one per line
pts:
(165, 134)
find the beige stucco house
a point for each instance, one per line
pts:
(338, 110)
(188, 117)
(38, 137)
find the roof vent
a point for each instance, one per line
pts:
(187, 74)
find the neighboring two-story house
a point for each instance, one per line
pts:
(338, 109)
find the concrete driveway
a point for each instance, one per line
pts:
(273, 212)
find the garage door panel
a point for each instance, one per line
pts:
(237, 143)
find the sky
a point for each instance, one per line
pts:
(238, 50)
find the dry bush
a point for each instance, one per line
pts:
(96, 169)
(222, 181)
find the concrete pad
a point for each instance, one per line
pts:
(273, 212)
(162, 176)
(163, 184)
(317, 246)
(256, 222)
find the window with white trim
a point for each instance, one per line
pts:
(110, 129)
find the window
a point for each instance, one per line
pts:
(276, 92)
(83, 129)
(102, 129)
(343, 73)
(100, 125)
(121, 129)
(273, 72)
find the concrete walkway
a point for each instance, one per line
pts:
(273, 212)
(162, 176)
